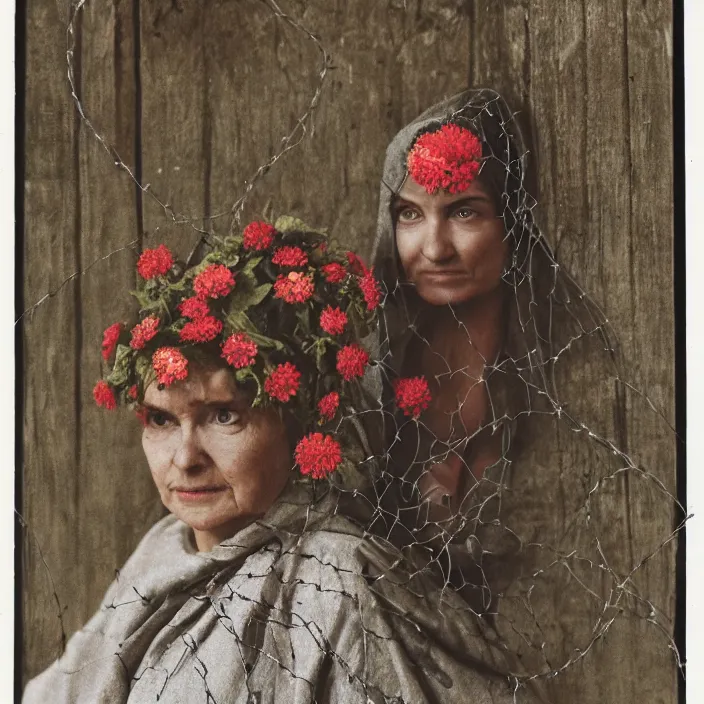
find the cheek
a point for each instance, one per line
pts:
(408, 248)
(484, 251)
(159, 453)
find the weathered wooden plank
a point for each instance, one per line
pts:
(117, 499)
(50, 340)
(174, 120)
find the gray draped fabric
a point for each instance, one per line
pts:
(298, 607)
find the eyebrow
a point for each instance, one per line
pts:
(399, 201)
(217, 403)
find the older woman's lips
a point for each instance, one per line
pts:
(201, 493)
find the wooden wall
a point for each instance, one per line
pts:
(194, 96)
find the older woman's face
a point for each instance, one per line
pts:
(451, 246)
(218, 463)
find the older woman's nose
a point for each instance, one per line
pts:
(437, 241)
(190, 453)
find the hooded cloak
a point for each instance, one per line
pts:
(548, 577)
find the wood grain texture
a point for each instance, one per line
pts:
(195, 96)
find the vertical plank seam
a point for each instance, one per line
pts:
(621, 398)
(77, 291)
(137, 59)
(207, 136)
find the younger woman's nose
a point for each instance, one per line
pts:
(437, 241)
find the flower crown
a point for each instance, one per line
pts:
(448, 158)
(286, 278)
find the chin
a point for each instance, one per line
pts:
(440, 296)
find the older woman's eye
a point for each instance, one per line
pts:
(157, 419)
(224, 416)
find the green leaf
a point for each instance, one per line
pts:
(287, 223)
(239, 322)
(120, 374)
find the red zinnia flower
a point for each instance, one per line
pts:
(214, 281)
(143, 332)
(318, 455)
(370, 289)
(104, 395)
(170, 365)
(412, 395)
(357, 266)
(201, 330)
(239, 350)
(110, 337)
(283, 382)
(290, 256)
(351, 361)
(294, 288)
(193, 308)
(333, 320)
(447, 158)
(334, 272)
(155, 262)
(328, 405)
(258, 235)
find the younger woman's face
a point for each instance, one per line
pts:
(451, 246)
(218, 463)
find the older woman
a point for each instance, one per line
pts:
(502, 343)
(259, 586)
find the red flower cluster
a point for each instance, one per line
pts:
(290, 256)
(193, 308)
(334, 272)
(214, 281)
(143, 332)
(283, 382)
(447, 158)
(351, 361)
(294, 288)
(110, 337)
(370, 289)
(170, 365)
(202, 329)
(412, 395)
(328, 405)
(258, 235)
(239, 350)
(104, 395)
(356, 265)
(333, 320)
(155, 262)
(318, 455)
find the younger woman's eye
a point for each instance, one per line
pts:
(465, 213)
(407, 214)
(224, 416)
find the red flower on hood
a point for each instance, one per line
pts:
(448, 158)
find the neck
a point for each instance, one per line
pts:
(481, 320)
(206, 540)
